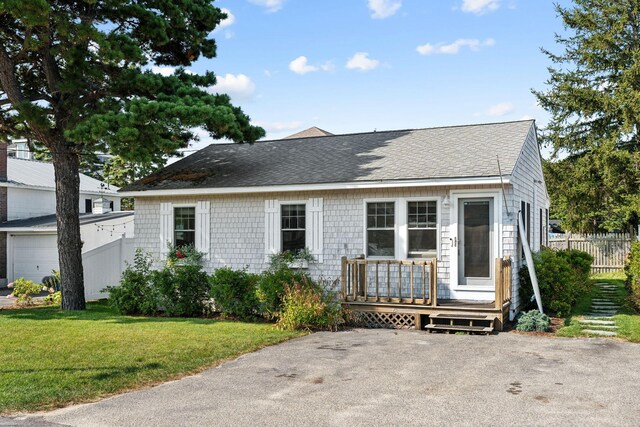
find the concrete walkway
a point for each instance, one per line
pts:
(600, 321)
(385, 377)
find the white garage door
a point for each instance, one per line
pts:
(34, 256)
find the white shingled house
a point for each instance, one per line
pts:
(28, 230)
(413, 227)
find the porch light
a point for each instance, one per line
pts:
(446, 202)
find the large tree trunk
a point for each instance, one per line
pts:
(66, 165)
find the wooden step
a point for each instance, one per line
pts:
(488, 318)
(459, 328)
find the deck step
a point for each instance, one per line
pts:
(459, 328)
(462, 316)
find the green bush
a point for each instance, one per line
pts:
(135, 295)
(562, 277)
(533, 321)
(181, 291)
(306, 306)
(271, 288)
(632, 273)
(234, 292)
(23, 289)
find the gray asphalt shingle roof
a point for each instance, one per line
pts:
(49, 221)
(33, 173)
(446, 152)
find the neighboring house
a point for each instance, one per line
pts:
(308, 133)
(400, 198)
(28, 236)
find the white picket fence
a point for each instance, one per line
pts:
(104, 265)
(609, 250)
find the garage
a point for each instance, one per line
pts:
(32, 256)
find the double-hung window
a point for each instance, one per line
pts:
(293, 227)
(381, 222)
(422, 227)
(184, 226)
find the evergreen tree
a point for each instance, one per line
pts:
(593, 97)
(74, 76)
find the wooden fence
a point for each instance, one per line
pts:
(609, 250)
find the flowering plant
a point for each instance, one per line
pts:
(183, 255)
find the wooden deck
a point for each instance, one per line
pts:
(403, 294)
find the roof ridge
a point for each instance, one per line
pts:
(395, 130)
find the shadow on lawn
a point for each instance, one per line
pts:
(111, 371)
(96, 311)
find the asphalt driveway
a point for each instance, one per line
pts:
(383, 377)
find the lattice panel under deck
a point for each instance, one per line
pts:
(384, 320)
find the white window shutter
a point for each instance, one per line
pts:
(166, 227)
(271, 228)
(203, 226)
(315, 228)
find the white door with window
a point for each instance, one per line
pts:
(474, 246)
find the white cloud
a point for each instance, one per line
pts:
(381, 9)
(301, 66)
(501, 109)
(328, 66)
(526, 117)
(453, 48)
(270, 5)
(279, 126)
(164, 71)
(228, 21)
(237, 86)
(480, 7)
(361, 61)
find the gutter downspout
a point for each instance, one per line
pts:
(529, 258)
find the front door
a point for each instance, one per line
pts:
(475, 241)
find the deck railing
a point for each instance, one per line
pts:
(503, 281)
(395, 281)
(407, 282)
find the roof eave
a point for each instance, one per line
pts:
(435, 182)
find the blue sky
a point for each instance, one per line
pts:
(359, 65)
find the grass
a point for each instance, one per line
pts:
(627, 322)
(53, 358)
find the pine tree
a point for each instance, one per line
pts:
(75, 76)
(593, 97)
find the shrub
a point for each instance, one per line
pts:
(305, 305)
(181, 291)
(562, 277)
(53, 298)
(632, 273)
(52, 282)
(271, 288)
(234, 292)
(135, 295)
(533, 321)
(23, 289)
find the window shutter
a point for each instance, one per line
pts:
(166, 227)
(203, 227)
(271, 228)
(315, 228)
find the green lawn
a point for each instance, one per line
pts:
(52, 358)
(627, 322)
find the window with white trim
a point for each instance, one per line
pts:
(293, 227)
(381, 222)
(184, 221)
(422, 228)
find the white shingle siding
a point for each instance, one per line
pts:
(240, 236)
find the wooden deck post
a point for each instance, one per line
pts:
(433, 282)
(498, 279)
(362, 277)
(343, 276)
